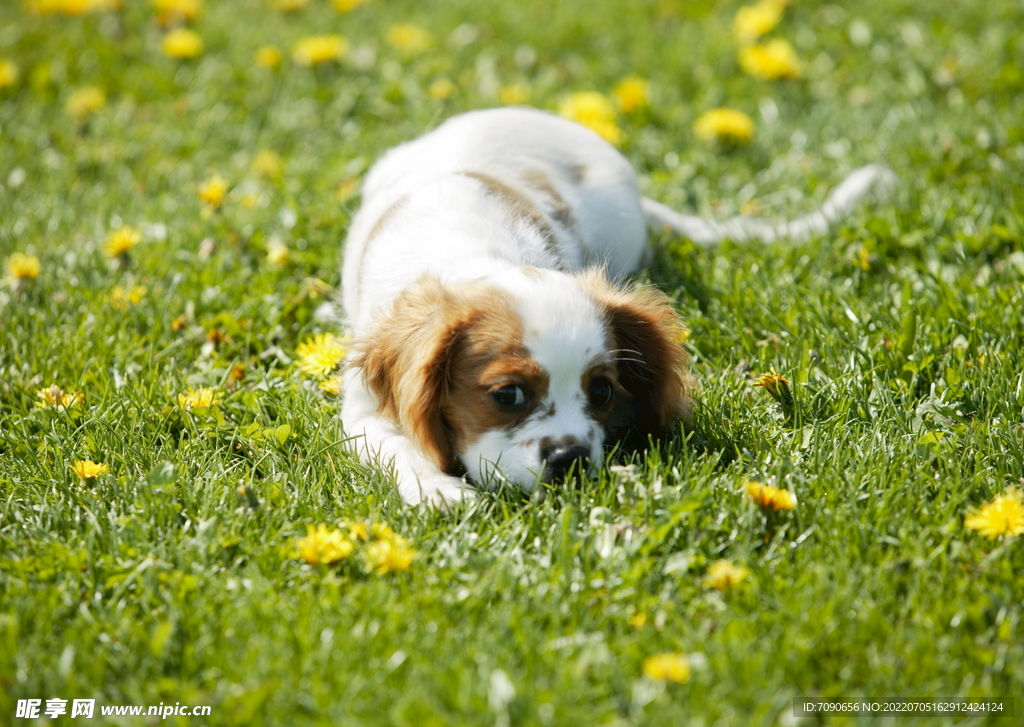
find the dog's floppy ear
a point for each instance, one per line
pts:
(652, 364)
(405, 359)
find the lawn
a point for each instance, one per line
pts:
(175, 189)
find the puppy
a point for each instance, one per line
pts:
(492, 341)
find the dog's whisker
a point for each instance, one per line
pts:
(636, 356)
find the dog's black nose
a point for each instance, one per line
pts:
(559, 461)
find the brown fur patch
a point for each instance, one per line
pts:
(575, 172)
(520, 205)
(434, 358)
(652, 366)
(490, 354)
(404, 358)
(559, 208)
(386, 217)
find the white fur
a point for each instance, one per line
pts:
(423, 215)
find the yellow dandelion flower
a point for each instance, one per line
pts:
(22, 267)
(609, 131)
(724, 574)
(772, 498)
(772, 60)
(182, 43)
(723, 124)
(667, 667)
(357, 530)
(212, 191)
(87, 470)
(70, 7)
(753, 21)
(348, 189)
(290, 6)
(638, 620)
(777, 386)
(8, 73)
(347, 6)
(863, 259)
(384, 531)
(121, 241)
(1002, 516)
(137, 293)
(323, 545)
(390, 554)
(316, 49)
(595, 111)
(586, 106)
(121, 298)
(97, 6)
(169, 12)
(267, 164)
(441, 90)
(269, 56)
(409, 38)
(54, 396)
(773, 382)
(201, 398)
(320, 355)
(43, 7)
(84, 102)
(514, 95)
(331, 386)
(278, 254)
(751, 207)
(632, 94)
(75, 7)
(317, 288)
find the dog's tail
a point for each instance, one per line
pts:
(861, 182)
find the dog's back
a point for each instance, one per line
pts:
(517, 185)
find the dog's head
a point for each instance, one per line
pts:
(527, 375)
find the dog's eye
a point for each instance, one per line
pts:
(600, 392)
(510, 396)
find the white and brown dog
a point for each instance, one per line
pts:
(489, 343)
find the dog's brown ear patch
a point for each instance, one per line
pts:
(424, 357)
(405, 359)
(653, 366)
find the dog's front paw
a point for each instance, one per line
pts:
(438, 491)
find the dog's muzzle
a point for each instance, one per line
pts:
(560, 461)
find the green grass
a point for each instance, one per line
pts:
(159, 582)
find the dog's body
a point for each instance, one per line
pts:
(487, 339)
